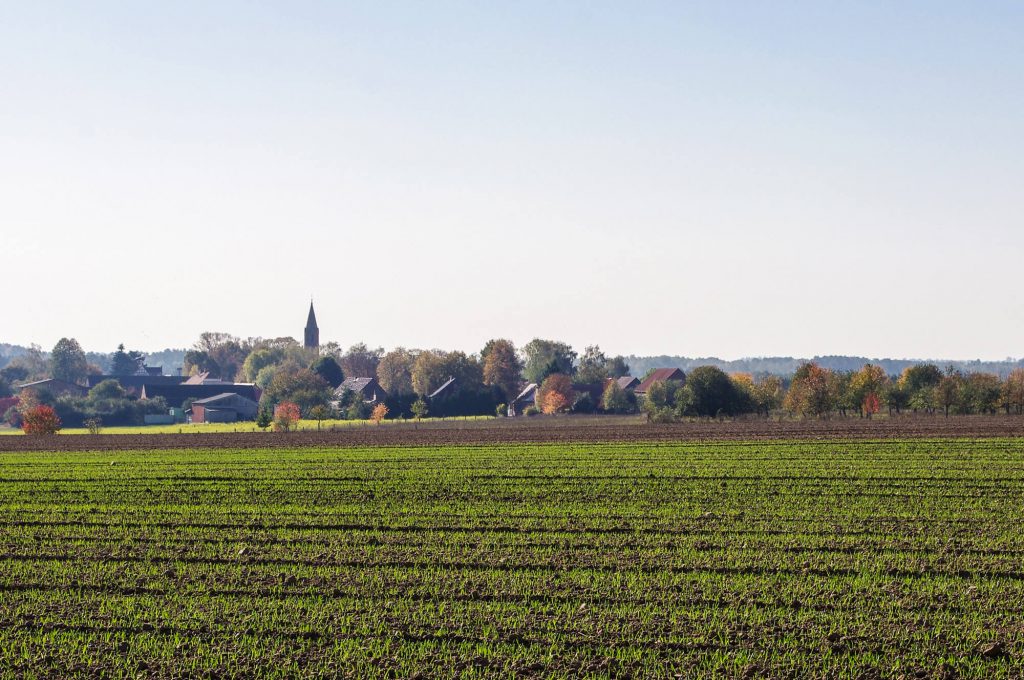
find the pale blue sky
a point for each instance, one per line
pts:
(736, 179)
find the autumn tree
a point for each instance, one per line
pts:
(555, 393)
(286, 416)
(813, 391)
(319, 413)
(1013, 391)
(869, 380)
(40, 419)
(67, 361)
(379, 413)
(948, 391)
(918, 383)
(710, 392)
(541, 358)
(767, 393)
(502, 368)
(981, 393)
(302, 387)
(394, 372)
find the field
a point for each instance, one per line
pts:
(728, 559)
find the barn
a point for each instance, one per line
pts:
(224, 408)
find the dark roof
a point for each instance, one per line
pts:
(440, 391)
(219, 397)
(154, 370)
(529, 393)
(55, 385)
(311, 319)
(661, 375)
(368, 387)
(595, 390)
(135, 382)
(628, 382)
(175, 395)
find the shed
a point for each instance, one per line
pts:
(224, 408)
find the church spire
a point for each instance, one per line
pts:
(312, 338)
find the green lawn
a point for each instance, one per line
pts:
(838, 560)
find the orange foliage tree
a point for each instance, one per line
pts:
(286, 416)
(555, 393)
(380, 411)
(871, 404)
(40, 420)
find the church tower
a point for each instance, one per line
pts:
(312, 339)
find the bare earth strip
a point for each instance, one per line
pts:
(544, 430)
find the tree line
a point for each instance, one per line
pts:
(488, 381)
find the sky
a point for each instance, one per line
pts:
(726, 179)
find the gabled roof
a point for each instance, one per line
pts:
(368, 387)
(220, 397)
(177, 394)
(529, 392)
(660, 375)
(442, 389)
(55, 384)
(628, 382)
(197, 379)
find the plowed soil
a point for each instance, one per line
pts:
(559, 430)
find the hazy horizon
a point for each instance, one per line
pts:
(715, 179)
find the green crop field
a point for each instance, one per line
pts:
(827, 560)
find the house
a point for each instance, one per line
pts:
(660, 375)
(224, 408)
(57, 388)
(527, 398)
(594, 390)
(369, 388)
(628, 383)
(444, 390)
(177, 395)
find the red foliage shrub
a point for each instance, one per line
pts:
(40, 420)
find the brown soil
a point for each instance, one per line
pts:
(565, 430)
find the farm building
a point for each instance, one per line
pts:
(133, 384)
(57, 388)
(176, 395)
(527, 398)
(660, 375)
(369, 388)
(628, 382)
(223, 408)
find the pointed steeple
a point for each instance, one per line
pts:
(312, 338)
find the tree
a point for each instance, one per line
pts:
(394, 372)
(40, 419)
(711, 392)
(813, 391)
(767, 393)
(617, 367)
(433, 368)
(106, 390)
(555, 394)
(225, 354)
(869, 380)
(319, 413)
(198, 361)
(502, 367)
(328, 369)
(302, 387)
(981, 393)
(664, 400)
(286, 416)
(126, 363)
(379, 413)
(67, 361)
(871, 404)
(947, 392)
(593, 366)
(541, 358)
(614, 399)
(259, 359)
(360, 361)
(919, 383)
(419, 409)
(264, 419)
(1013, 391)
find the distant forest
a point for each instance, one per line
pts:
(173, 359)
